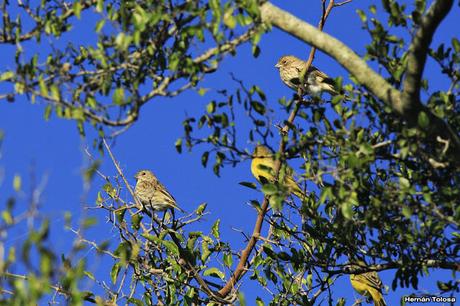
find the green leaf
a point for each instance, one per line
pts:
(407, 211)
(43, 87)
(309, 280)
(201, 208)
(77, 9)
(150, 237)
(347, 210)
(204, 159)
(89, 221)
(215, 229)
(404, 182)
(362, 15)
(48, 110)
(178, 145)
(89, 274)
(19, 87)
(326, 193)
(8, 75)
(100, 24)
(228, 260)
(241, 299)
(135, 301)
(118, 97)
(455, 43)
(248, 184)
(214, 272)
(114, 272)
(205, 252)
(202, 91)
(123, 41)
(100, 6)
(171, 246)
(136, 220)
(17, 182)
(258, 107)
(423, 120)
(259, 302)
(211, 107)
(228, 18)
(123, 251)
(7, 217)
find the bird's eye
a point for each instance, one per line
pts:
(143, 173)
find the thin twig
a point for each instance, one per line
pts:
(241, 268)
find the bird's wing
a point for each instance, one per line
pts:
(299, 65)
(320, 76)
(172, 201)
(316, 76)
(161, 188)
(318, 73)
(372, 279)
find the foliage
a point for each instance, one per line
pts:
(139, 51)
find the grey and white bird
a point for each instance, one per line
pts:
(152, 194)
(315, 81)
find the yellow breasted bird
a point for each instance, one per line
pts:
(369, 285)
(262, 168)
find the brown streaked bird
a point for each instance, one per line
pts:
(369, 285)
(315, 81)
(262, 167)
(152, 194)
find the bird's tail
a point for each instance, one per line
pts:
(296, 190)
(328, 85)
(377, 297)
(173, 205)
(329, 88)
(180, 209)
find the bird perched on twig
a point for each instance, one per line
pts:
(369, 285)
(152, 194)
(262, 168)
(314, 82)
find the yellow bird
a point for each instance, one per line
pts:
(369, 285)
(262, 168)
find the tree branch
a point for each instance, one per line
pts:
(335, 48)
(418, 49)
(430, 263)
(241, 267)
(366, 76)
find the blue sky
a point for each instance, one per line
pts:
(55, 151)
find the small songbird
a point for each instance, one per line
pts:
(369, 285)
(262, 167)
(315, 81)
(152, 194)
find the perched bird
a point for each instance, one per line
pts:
(315, 81)
(262, 167)
(369, 285)
(151, 193)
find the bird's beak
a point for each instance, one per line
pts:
(277, 65)
(135, 176)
